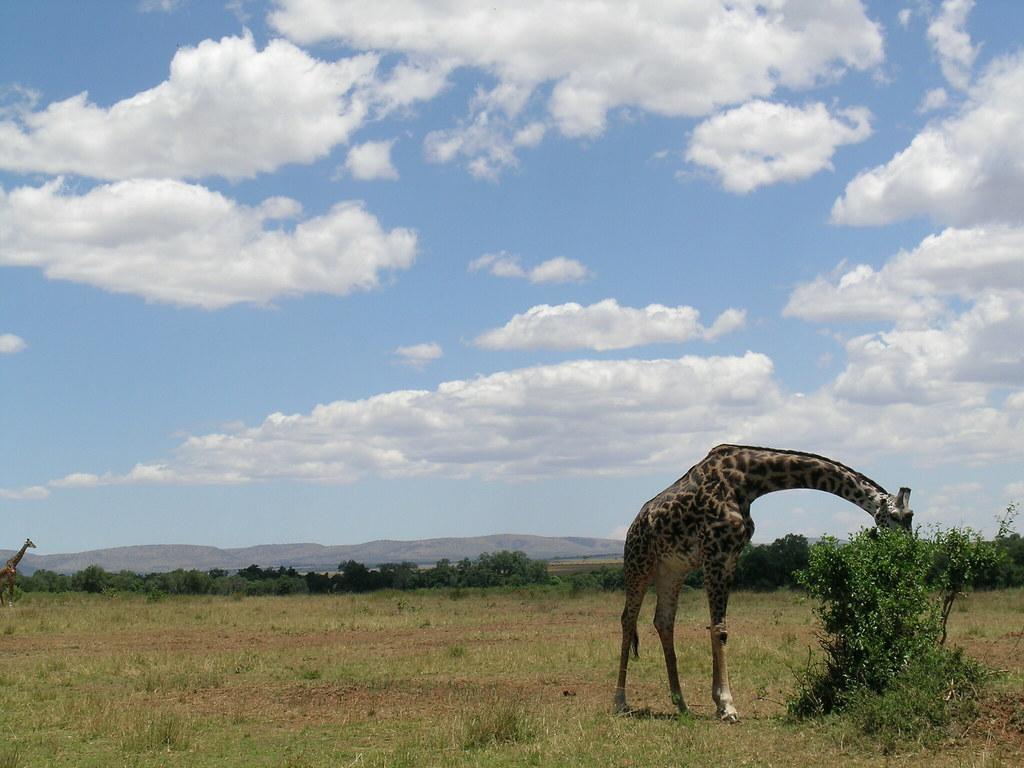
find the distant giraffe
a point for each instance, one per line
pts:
(9, 571)
(703, 521)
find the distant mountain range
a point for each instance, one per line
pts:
(155, 558)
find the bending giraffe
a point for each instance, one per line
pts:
(703, 521)
(9, 571)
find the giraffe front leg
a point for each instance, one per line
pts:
(668, 585)
(720, 692)
(718, 581)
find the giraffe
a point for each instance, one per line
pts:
(9, 571)
(703, 520)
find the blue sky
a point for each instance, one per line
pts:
(337, 271)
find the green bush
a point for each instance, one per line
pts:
(961, 558)
(875, 610)
(935, 689)
(885, 598)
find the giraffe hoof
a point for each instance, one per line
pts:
(729, 716)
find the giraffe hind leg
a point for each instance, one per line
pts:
(635, 590)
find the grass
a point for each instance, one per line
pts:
(496, 723)
(486, 679)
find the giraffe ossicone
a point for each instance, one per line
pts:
(703, 521)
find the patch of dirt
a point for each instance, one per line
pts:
(1001, 719)
(295, 705)
(204, 640)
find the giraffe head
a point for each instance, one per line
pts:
(895, 511)
(29, 543)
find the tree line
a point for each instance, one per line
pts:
(497, 569)
(761, 567)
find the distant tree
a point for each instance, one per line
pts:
(319, 583)
(230, 585)
(770, 566)
(253, 573)
(441, 575)
(399, 575)
(1011, 571)
(92, 579)
(789, 554)
(289, 583)
(356, 577)
(124, 581)
(45, 581)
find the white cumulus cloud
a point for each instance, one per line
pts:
(603, 326)
(371, 160)
(140, 474)
(968, 264)
(964, 170)
(225, 109)
(589, 57)
(179, 243)
(580, 418)
(29, 493)
(762, 143)
(959, 359)
(957, 305)
(490, 136)
(11, 344)
(419, 355)
(934, 99)
(951, 42)
(557, 270)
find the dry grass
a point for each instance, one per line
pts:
(584, 565)
(389, 679)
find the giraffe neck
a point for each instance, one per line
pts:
(767, 470)
(13, 562)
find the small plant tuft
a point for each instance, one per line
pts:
(159, 732)
(501, 722)
(11, 756)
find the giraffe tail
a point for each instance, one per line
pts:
(635, 644)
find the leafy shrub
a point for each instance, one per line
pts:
(960, 558)
(934, 690)
(885, 599)
(875, 610)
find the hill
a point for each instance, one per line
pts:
(154, 558)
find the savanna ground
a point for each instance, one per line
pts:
(438, 678)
